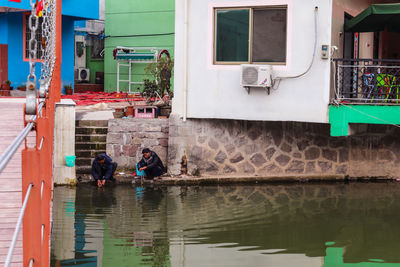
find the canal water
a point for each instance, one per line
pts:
(301, 225)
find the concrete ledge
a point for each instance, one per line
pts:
(215, 180)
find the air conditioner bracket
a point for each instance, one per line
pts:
(267, 89)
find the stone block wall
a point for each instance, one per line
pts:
(127, 137)
(253, 148)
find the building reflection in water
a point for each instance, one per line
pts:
(266, 225)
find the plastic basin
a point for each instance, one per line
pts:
(70, 161)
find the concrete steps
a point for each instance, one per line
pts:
(82, 138)
(90, 140)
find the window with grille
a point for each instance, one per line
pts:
(250, 35)
(27, 37)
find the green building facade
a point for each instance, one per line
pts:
(94, 64)
(136, 23)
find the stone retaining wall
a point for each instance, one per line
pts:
(127, 137)
(249, 148)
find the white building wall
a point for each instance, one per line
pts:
(214, 91)
(102, 9)
(64, 142)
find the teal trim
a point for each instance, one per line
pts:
(340, 116)
(137, 56)
(376, 18)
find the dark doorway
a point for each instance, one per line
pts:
(376, 45)
(350, 51)
(3, 63)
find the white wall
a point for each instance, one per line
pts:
(214, 91)
(102, 9)
(64, 142)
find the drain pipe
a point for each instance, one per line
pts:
(185, 60)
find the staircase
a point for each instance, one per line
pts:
(90, 140)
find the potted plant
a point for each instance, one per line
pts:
(165, 111)
(22, 87)
(150, 90)
(129, 112)
(119, 112)
(68, 89)
(6, 85)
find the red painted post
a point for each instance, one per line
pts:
(37, 168)
(55, 93)
(31, 221)
(45, 157)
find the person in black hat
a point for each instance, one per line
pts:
(103, 169)
(151, 164)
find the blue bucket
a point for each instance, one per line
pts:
(139, 173)
(70, 161)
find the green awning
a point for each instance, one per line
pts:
(375, 19)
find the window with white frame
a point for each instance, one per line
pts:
(250, 35)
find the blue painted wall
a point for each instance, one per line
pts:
(3, 29)
(80, 24)
(68, 54)
(18, 69)
(11, 33)
(86, 9)
(25, 4)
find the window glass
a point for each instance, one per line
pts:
(232, 35)
(269, 35)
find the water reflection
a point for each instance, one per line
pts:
(267, 225)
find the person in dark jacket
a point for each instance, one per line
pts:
(103, 169)
(151, 164)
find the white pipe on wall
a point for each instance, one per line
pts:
(185, 60)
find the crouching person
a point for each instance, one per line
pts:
(151, 164)
(103, 169)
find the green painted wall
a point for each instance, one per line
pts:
(136, 23)
(125, 252)
(94, 64)
(341, 116)
(334, 258)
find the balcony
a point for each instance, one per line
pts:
(367, 81)
(366, 91)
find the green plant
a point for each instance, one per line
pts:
(7, 82)
(161, 72)
(68, 86)
(154, 69)
(150, 89)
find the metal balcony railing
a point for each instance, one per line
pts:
(367, 81)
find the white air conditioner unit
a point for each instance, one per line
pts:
(256, 76)
(82, 75)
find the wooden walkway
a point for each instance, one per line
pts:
(11, 124)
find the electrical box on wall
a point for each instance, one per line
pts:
(325, 51)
